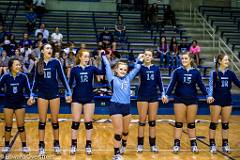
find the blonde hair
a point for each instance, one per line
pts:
(118, 64)
(192, 63)
(79, 54)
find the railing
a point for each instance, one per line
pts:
(207, 28)
(95, 25)
(67, 25)
(224, 48)
(14, 16)
(6, 14)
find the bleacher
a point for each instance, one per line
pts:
(83, 27)
(226, 21)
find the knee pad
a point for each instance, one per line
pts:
(8, 129)
(41, 125)
(117, 137)
(213, 126)
(225, 126)
(152, 123)
(191, 125)
(125, 134)
(141, 123)
(178, 124)
(55, 126)
(21, 129)
(75, 125)
(88, 125)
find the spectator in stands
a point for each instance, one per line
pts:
(4, 59)
(6, 43)
(174, 53)
(120, 29)
(56, 37)
(169, 17)
(71, 48)
(42, 30)
(12, 46)
(184, 46)
(25, 51)
(37, 51)
(195, 50)
(39, 8)
(18, 55)
(31, 20)
(163, 51)
(3, 33)
(28, 65)
(39, 38)
(106, 39)
(28, 4)
(25, 41)
(69, 63)
(58, 56)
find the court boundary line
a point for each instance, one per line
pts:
(206, 144)
(11, 144)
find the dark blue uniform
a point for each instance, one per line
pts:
(185, 81)
(47, 84)
(150, 78)
(220, 88)
(15, 87)
(83, 77)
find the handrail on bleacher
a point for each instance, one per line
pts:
(6, 13)
(14, 16)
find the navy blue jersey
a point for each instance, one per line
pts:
(185, 81)
(48, 82)
(83, 78)
(150, 79)
(15, 86)
(222, 85)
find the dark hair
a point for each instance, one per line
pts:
(164, 38)
(10, 63)
(217, 64)
(194, 41)
(40, 63)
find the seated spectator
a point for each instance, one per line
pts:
(39, 8)
(163, 51)
(106, 39)
(39, 38)
(31, 20)
(69, 63)
(37, 51)
(12, 46)
(25, 41)
(28, 4)
(56, 37)
(120, 29)
(6, 43)
(18, 55)
(195, 50)
(3, 34)
(25, 51)
(71, 48)
(42, 30)
(28, 65)
(58, 56)
(4, 59)
(174, 53)
(184, 46)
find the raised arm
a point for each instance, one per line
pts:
(137, 67)
(108, 68)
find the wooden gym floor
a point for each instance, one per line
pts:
(102, 140)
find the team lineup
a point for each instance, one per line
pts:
(79, 92)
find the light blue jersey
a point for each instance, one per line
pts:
(120, 85)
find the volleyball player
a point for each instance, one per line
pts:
(147, 102)
(185, 79)
(220, 84)
(15, 83)
(48, 69)
(83, 75)
(120, 102)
